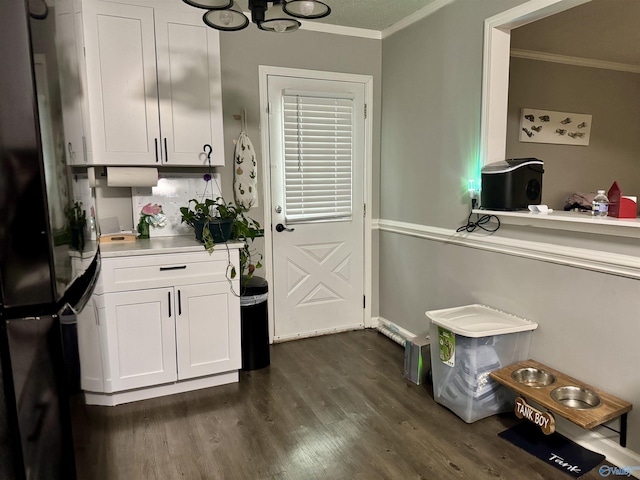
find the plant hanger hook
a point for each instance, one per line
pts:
(208, 149)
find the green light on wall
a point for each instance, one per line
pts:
(473, 187)
(474, 182)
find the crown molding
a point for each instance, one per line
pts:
(340, 30)
(416, 16)
(576, 61)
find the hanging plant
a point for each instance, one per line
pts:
(215, 221)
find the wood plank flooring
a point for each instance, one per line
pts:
(334, 407)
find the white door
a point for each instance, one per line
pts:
(316, 148)
(207, 330)
(141, 338)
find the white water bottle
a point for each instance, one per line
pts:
(600, 205)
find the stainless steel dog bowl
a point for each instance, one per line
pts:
(575, 397)
(533, 377)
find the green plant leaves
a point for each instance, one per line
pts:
(244, 229)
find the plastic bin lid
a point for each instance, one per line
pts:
(479, 321)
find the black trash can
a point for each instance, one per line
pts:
(255, 324)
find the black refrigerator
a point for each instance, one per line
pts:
(37, 281)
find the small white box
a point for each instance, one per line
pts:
(468, 343)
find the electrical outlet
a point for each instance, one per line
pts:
(473, 188)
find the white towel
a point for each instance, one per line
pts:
(245, 173)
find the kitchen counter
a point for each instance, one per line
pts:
(153, 246)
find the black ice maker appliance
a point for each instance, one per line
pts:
(512, 184)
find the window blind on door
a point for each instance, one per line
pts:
(318, 156)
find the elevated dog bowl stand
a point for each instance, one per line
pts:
(610, 407)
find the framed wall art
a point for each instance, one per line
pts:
(546, 126)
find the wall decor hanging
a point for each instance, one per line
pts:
(245, 169)
(546, 126)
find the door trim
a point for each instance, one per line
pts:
(367, 80)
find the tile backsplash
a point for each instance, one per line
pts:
(174, 190)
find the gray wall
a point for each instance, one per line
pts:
(431, 98)
(612, 97)
(432, 79)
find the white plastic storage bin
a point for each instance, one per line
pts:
(468, 343)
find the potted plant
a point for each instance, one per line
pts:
(211, 219)
(216, 221)
(150, 215)
(77, 221)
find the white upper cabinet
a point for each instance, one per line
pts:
(189, 88)
(154, 86)
(68, 49)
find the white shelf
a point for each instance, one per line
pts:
(572, 221)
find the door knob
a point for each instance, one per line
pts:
(281, 228)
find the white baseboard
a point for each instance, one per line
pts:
(118, 398)
(317, 333)
(606, 444)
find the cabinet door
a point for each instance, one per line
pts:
(188, 54)
(121, 76)
(207, 330)
(141, 338)
(89, 349)
(70, 85)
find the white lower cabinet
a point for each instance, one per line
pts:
(203, 331)
(141, 338)
(141, 343)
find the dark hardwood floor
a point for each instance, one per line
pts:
(331, 407)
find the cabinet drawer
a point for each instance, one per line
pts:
(153, 271)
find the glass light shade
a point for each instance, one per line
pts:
(275, 20)
(209, 4)
(306, 8)
(226, 20)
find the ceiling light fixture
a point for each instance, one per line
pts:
(270, 16)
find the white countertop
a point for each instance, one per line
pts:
(573, 221)
(157, 245)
